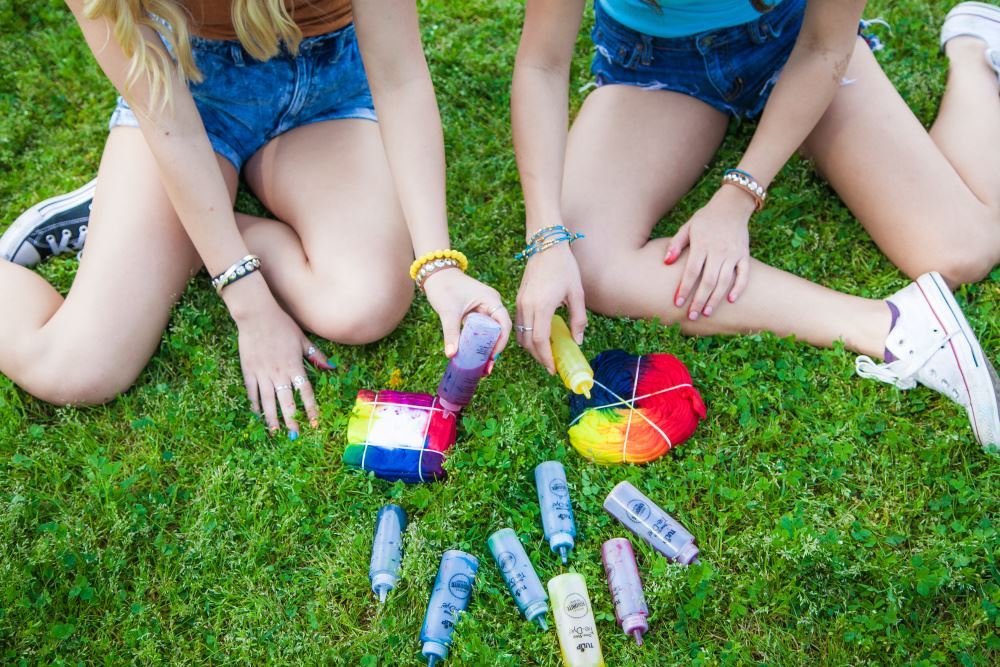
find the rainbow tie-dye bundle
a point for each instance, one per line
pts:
(639, 408)
(400, 436)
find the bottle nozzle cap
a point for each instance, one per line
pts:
(541, 623)
(638, 637)
(688, 554)
(563, 553)
(382, 593)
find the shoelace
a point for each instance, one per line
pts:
(899, 373)
(63, 244)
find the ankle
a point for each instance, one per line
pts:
(965, 49)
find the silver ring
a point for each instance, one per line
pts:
(523, 329)
(311, 351)
(298, 381)
(282, 387)
(495, 309)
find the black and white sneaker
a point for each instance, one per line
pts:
(53, 227)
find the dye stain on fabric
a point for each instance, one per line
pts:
(556, 508)
(475, 347)
(449, 598)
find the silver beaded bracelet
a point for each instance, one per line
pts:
(238, 271)
(430, 268)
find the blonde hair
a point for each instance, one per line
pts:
(262, 26)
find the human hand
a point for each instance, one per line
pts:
(718, 260)
(551, 279)
(453, 295)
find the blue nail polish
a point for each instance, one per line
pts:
(293, 435)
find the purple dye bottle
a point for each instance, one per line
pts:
(479, 335)
(642, 516)
(626, 587)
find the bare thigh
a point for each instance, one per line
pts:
(340, 262)
(631, 155)
(137, 261)
(898, 182)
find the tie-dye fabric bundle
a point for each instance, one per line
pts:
(399, 435)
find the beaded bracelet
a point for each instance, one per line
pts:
(238, 271)
(463, 261)
(430, 268)
(744, 181)
(545, 238)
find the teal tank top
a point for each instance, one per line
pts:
(680, 18)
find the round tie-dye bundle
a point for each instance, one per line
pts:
(639, 408)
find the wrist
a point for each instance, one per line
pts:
(247, 298)
(432, 279)
(736, 200)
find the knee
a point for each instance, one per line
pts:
(960, 263)
(78, 383)
(362, 315)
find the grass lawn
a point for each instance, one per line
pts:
(841, 521)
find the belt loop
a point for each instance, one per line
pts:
(647, 50)
(236, 53)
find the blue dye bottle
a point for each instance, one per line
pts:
(387, 550)
(449, 598)
(557, 512)
(519, 575)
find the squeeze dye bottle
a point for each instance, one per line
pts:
(449, 598)
(626, 587)
(387, 550)
(557, 511)
(479, 335)
(575, 623)
(573, 368)
(641, 515)
(519, 575)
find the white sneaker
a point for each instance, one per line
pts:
(52, 227)
(934, 346)
(972, 19)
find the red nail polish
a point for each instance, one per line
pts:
(731, 298)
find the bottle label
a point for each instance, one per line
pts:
(507, 560)
(576, 606)
(460, 586)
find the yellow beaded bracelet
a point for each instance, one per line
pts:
(463, 261)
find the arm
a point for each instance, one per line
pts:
(400, 81)
(190, 174)
(807, 86)
(540, 118)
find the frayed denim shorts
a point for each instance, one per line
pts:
(731, 69)
(244, 103)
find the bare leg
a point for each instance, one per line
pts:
(92, 345)
(632, 154)
(340, 263)
(930, 201)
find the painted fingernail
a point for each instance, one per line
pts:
(579, 339)
(670, 256)
(731, 298)
(293, 435)
(679, 301)
(489, 367)
(449, 350)
(330, 365)
(693, 315)
(314, 422)
(707, 312)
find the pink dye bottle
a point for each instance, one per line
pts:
(626, 587)
(479, 335)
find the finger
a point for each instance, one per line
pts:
(709, 279)
(309, 403)
(742, 279)
(451, 327)
(577, 314)
(522, 312)
(286, 400)
(503, 319)
(316, 356)
(727, 276)
(692, 270)
(268, 404)
(540, 339)
(677, 244)
(253, 393)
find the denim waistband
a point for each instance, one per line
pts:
(758, 31)
(307, 45)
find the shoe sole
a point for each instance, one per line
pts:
(979, 10)
(981, 383)
(20, 229)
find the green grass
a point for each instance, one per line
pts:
(841, 521)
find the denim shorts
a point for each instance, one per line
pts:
(244, 103)
(731, 69)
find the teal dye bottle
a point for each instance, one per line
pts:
(557, 511)
(387, 550)
(449, 598)
(520, 577)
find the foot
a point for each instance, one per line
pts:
(53, 227)
(974, 19)
(932, 344)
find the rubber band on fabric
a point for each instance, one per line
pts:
(657, 387)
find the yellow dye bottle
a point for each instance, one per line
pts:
(573, 368)
(575, 622)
